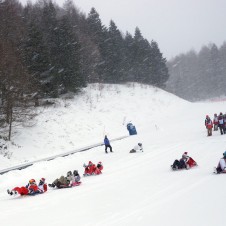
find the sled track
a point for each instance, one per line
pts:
(23, 166)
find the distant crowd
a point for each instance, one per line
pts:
(219, 121)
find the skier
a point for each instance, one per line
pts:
(215, 122)
(209, 125)
(107, 144)
(63, 182)
(221, 167)
(185, 162)
(30, 189)
(136, 148)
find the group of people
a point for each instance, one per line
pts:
(30, 189)
(70, 180)
(92, 169)
(187, 162)
(219, 121)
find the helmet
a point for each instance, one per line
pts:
(43, 179)
(224, 154)
(32, 181)
(140, 144)
(69, 173)
(75, 173)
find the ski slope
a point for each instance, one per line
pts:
(134, 189)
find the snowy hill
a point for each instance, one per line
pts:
(134, 188)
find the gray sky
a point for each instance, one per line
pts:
(176, 25)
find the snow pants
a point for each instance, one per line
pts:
(108, 146)
(221, 126)
(179, 164)
(209, 131)
(21, 190)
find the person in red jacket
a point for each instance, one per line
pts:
(42, 186)
(97, 169)
(215, 122)
(92, 169)
(30, 189)
(209, 125)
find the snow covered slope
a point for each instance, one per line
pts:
(134, 189)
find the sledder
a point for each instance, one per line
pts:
(92, 169)
(185, 162)
(221, 167)
(30, 189)
(69, 181)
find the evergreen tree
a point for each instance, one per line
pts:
(159, 69)
(115, 55)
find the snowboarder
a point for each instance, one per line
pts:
(30, 189)
(107, 144)
(221, 167)
(215, 122)
(136, 148)
(185, 162)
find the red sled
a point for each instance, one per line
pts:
(191, 162)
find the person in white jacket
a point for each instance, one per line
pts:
(221, 168)
(136, 148)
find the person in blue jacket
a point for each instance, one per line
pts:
(107, 144)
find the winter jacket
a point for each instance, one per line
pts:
(42, 188)
(215, 120)
(209, 123)
(106, 141)
(222, 164)
(138, 148)
(220, 120)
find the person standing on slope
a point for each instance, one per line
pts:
(107, 144)
(215, 122)
(221, 123)
(209, 125)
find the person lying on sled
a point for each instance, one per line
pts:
(185, 162)
(30, 189)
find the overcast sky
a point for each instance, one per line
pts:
(176, 25)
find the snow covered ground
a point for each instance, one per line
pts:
(134, 189)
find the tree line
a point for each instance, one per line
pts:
(47, 50)
(199, 75)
